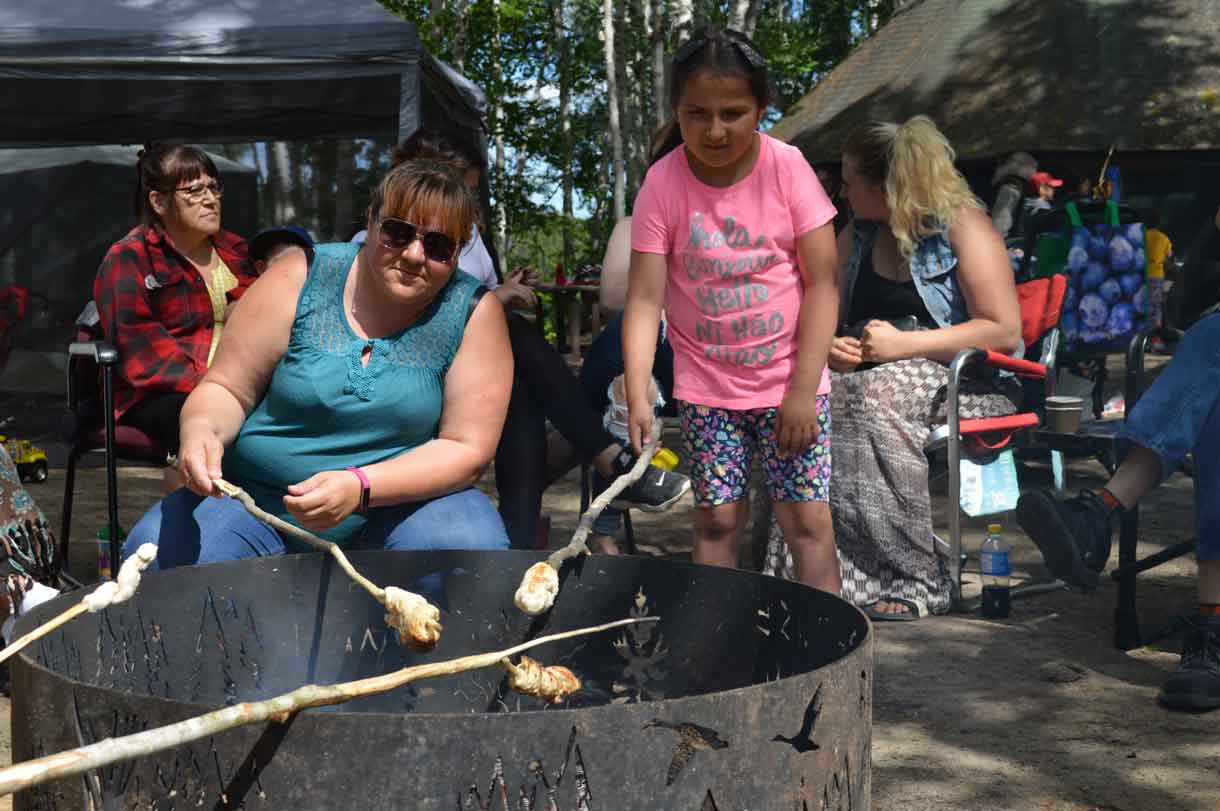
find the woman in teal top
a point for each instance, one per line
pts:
(358, 396)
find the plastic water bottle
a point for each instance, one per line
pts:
(995, 568)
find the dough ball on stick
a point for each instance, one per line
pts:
(540, 585)
(417, 621)
(532, 678)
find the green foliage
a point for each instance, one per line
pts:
(511, 49)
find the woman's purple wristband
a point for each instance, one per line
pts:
(364, 489)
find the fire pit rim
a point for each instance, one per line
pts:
(46, 608)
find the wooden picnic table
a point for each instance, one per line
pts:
(568, 311)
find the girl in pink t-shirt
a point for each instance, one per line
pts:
(732, 235)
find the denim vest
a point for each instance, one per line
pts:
(933, 269)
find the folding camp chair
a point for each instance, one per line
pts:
(91, 365)
(1041, 302)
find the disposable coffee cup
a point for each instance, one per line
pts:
(1063, 413)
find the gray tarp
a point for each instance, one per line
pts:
(127, 71)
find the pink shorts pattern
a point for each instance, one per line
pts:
(721, 443)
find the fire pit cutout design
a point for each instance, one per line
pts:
(697, 711)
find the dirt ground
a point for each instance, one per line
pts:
(1038, 711)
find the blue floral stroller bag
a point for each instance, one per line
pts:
(1107, 270)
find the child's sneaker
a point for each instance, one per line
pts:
(655, 491)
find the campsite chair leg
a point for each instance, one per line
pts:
(1126, 616)
(112, 476)
(66, 512)
(629, 532)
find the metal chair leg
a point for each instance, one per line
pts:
(65, 526)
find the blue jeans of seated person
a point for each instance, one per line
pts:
(602, 364)
(1180, 413)
(191, 529)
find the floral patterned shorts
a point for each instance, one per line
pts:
(721, 442)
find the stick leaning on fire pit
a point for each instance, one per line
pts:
(415, 619)
(549, 683)
(540, 585)
(112, 592)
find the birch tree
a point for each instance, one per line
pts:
(684, 19)
(560, 33)
(501, 210)
(656, 38)
(612, 112)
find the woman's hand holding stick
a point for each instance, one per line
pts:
(112, 750)
(416, 620)
(540, 585)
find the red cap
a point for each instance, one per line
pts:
(1039, 179)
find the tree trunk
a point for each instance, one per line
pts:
(461, 14)
(612, 111)
(324, 192)
(752, 14)
(501, 211)
(345, 189)
(281, 171)
(684, 19)
(565, 125)
(737, 14)
(660, 104)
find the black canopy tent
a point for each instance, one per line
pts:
(126, 71)
(84, 72)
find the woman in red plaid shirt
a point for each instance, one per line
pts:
(165, 290)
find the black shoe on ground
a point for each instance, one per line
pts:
(1195, 685)
(1073, 535)
(655, 491)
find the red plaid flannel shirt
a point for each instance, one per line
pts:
(154, 307)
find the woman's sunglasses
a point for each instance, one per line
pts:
(397, 235)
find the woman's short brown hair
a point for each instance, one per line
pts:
(163, 168)
(425, 191)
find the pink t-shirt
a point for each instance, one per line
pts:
(734, 289)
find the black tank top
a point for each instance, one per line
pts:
(875, 296)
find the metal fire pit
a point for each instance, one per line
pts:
(751, 693)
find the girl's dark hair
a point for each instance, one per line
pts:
(432, 145)
(725, 52)
(163, 168)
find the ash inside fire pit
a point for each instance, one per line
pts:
(750, 693)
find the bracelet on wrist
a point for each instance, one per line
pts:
(365, 489)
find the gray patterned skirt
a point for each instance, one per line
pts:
(879, 498)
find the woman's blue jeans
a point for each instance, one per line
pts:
(1180, 413)
(190, 529)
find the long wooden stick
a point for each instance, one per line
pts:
(540, 583)
(112, 750)
(332, 549)
(42, 630)
(105, 595)
(578, 545)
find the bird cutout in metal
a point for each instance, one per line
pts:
(803, 741)
(691, 738)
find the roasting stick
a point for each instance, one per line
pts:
(112, 592)
(540, 585)
(112, 750)
(416, 620)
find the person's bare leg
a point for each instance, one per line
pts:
(717, 530)
(810, 535)
(1139, 472)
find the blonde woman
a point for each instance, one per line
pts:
(921, 245)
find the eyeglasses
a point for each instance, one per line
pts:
(197, 191)
(397, 235)
(739, 41)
